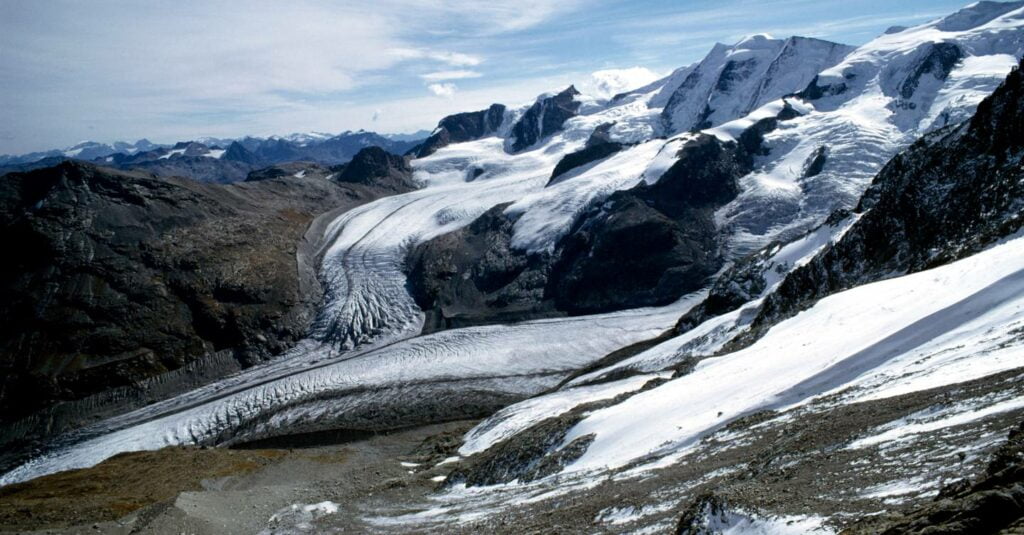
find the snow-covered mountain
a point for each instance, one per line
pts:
(857, 114)
(755, 276)
(86, 150)
(732, 81)
(238, 156)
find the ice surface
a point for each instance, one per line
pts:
(452, 367)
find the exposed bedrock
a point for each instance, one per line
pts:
(544, 118)
(645, 246)
(461, 127)
(651, 244)
(474, 276)
(121, 277)
(598, 147)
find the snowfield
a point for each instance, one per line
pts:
(941, 326)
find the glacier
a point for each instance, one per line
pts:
(365, 360)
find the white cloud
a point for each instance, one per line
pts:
(504, 17)
(446, 90)
(455, 59)
(449, 75)
(610, 82)
(405, 114)
(130, 69)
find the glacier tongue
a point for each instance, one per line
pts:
(475, 370)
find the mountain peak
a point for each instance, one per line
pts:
(732, 81)
(756, 39)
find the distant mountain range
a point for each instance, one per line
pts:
(220, 160)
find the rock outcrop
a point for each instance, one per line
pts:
(662, 235)
(373, 166)
(118, 276)
(474, 276)
(544, 118)
(598, 147)
(461, 127)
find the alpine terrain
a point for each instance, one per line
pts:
(779, 290)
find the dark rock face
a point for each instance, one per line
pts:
(595, 150)
(938, 61)
(815, 90)
(461, 127)
(473, 276)
(662, 235)
(377, 167)
(946, 197)
(544, 118)
(816, 162)
(122, 276)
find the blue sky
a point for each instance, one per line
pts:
(120, 70)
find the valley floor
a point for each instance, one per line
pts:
(821, 467)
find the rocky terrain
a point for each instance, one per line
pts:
(124, 277)
(777, 291)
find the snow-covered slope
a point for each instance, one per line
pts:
(859, 113)
(887, 339)
(733, 81)
(880, 339)
(364, 355)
